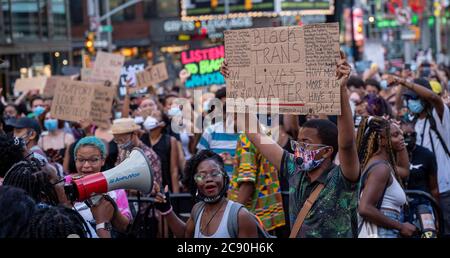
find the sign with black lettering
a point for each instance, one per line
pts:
(295, 65)
(76, 100)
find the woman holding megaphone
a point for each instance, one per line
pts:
(112, 210)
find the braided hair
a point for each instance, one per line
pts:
(11, 152)
(368, 140)
(16, 210)
(57, 222)
(191, 169)
(34, 178)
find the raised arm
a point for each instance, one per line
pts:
(423, 92)
(266, 145)
(348, 155)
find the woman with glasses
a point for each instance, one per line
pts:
(209, 217)
(108, 213)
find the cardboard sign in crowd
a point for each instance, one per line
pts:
(295, 65)
(77, 100)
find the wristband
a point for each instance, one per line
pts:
(167, 212)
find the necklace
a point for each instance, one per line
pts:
(210, 219)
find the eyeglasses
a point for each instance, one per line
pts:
(91, 161)
(200, 178)
(306, 146)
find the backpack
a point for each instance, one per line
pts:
(233, 225)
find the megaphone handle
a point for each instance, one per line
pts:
(94, 200)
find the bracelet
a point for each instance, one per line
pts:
(167, 212)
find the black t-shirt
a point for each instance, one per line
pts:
(422, 165)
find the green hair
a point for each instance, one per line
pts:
(91, 141)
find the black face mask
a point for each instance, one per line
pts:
(134, 106)
(410, 140)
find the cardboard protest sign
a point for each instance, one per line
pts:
(76, 100)
(203, 66)
(129, 71)
(108, 67)
(155, 74)
(295, 65)
(86, 74)
(33, 83)
(51, 83)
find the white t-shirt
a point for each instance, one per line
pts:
(434, 145)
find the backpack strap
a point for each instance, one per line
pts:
(362, 182)
(196, 210)
(233, 223)
(305, 210)
(434, 128)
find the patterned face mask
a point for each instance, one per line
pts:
(305, 156)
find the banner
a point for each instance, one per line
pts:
(295, 65)
(129, 71)
(76, 100)
(203, 65)
(155, 74)
(108, 67)
(33, 83)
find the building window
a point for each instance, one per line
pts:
(59, 19)
(76, 12)
(5, 22)
(168, 8)
(25, 19)
(150, 9)
(127, 14)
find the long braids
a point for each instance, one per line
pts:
(368, 140)
(34, 178)
(57, 222)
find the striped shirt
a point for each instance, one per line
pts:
(215, 139)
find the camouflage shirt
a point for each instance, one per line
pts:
(333, 214)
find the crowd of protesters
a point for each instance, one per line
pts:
(351, 175)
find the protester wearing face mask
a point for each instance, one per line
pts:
(423, 169)
(323, 196)
(208, 182)
(433, 132)
(37, 108)
(125, 132)
(166, 147)
(54, 140)
(29, 131)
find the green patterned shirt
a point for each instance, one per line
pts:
(333, 214)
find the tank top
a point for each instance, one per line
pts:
(222, 230)
(394, 197)
(163, 150)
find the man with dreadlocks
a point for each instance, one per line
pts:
(16, 210)
(40, 181)
(57, 222)
(432, 125)
(11, 152)
(312, 175)
(380, 143)
(210, 217)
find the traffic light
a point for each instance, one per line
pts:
(248, 5)
(89, 43)
(214, 3)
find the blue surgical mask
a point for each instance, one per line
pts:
(174, 111)
(384, 84)
(51, 124)
(415, 106)
(37, 111)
